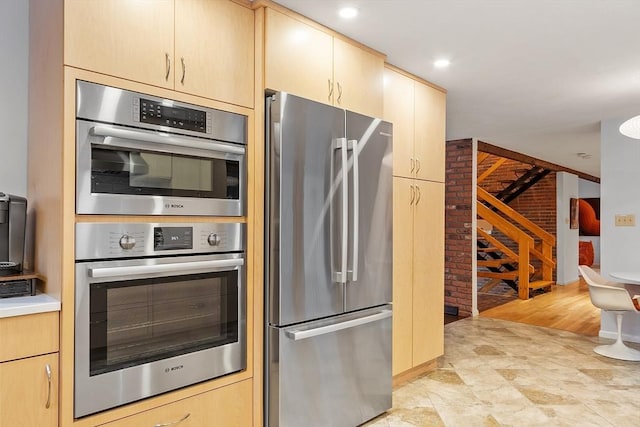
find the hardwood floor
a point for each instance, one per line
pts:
(566, 307)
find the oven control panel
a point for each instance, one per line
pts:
(123, 240)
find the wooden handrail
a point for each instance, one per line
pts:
(491, 169)
(545, 260)
(497, 243)
(482, 157)
(510, 230)
(502, 247)
(516, 217)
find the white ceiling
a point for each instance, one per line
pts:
(532, 76)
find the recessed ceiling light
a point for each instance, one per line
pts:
(348, 12)
(442, 63)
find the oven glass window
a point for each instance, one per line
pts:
(139, 321)
(163, 174)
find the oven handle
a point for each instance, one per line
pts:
(182, 267)
(159, 138)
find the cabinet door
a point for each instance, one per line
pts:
(25, 391)
(402, 274)
(298, 58)
(358, 78)
(228, 406)
(398, 109)
(214, 50)
(430, 109)
(428, 272)
(132, 39)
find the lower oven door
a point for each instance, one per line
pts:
(148, 326)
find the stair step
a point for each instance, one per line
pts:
(541, 284)
(489, 249)
(496, 262)
(510, 275)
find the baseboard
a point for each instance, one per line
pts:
(414, 372)
(614, 335)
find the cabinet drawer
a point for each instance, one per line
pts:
(229, 406)
(29, 335)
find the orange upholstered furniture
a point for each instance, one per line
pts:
(585, 254)
(589, 224)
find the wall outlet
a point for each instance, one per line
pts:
(628, 220)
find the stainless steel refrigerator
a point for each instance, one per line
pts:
(328, 267)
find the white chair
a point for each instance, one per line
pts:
(611, 296)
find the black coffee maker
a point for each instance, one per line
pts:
(13, 220)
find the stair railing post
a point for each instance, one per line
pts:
(523, 267)
(547, 269)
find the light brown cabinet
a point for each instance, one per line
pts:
(198, 47)
(29, 370)
(417, 112)
(418, 272)
(307, 61)
(225, 407)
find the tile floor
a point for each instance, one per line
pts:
(501, 373)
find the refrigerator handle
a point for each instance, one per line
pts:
(353, 145)
(323, 330)
(341, 275)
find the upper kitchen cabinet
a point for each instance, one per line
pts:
(132, 39)
(429, 149)
(398, 109)
(305, 60)
(298, 58)
(417, 111)
(200, 47)
(214, 50)
(358, 75)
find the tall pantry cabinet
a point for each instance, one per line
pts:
(417, 111)
(194, 51)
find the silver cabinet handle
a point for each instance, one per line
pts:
(140, 138)
(173, 423)
(412, 165)
(183, 267)
(413, 194)
(323, 330)
(184, 70)
(417, 165)
(341, 275)
(47, 369)
(167, 66)
(353, 144)
(339, 92)
(330, 89)
(418, 195)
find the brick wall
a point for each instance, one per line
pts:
(458, 218)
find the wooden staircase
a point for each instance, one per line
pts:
(503, 263)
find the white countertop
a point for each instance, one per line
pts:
(626, 276)
(19, 306)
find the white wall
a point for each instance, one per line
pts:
(566, 238)
(14, 74)
(620, 194)
(590, 189)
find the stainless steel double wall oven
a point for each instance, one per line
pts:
(158, 305)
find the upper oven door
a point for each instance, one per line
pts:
(127, 171)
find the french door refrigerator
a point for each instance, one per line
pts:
(328, 266)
